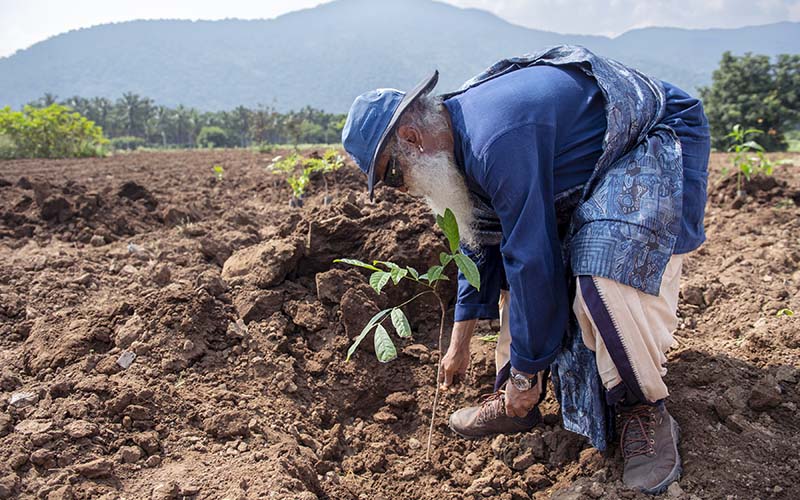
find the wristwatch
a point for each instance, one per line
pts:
(521, 381)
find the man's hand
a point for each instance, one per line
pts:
(519, 403)
(456, 361)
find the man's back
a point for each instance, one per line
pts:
(564, 99)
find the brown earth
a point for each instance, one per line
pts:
(233, 323)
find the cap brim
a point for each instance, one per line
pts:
(422, 88)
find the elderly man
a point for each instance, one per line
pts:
(578, 184)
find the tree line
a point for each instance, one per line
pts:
(138, 120)
(751, 91)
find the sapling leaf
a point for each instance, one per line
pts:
(372, 322)
(378, 280)
(445, 258)
(470, 270)
(449, 227)
(753, 145)
(413, 272)
(435, 274)
(384, 347)
(400, 323)
(397, 274)
(358, 263)
(390, 265)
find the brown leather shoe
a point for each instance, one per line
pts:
(490, 418)
(649, 441)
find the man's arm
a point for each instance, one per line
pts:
(472, 305)
(518, 176)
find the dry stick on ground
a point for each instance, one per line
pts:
(438, 373)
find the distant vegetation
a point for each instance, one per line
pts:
(53, 131)
(134, 121)
(313, 56)
(754, 92)
(749, 92)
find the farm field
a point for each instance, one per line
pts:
(225, 306)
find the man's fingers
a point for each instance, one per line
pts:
(448, 378)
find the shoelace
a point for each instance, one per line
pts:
(637, 431)
(492, 406)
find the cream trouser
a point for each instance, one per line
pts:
(623, 326)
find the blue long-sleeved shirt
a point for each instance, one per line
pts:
(522, 139)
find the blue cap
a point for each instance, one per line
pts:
(370, 121)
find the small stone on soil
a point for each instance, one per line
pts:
(765, 394)
(96, 468)
(129, 454)
(675, 490)
(81, 429)
(165, 491)
(20, 399)
(384, 417)
(126, 359)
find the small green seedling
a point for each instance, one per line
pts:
(785, 312)
(744, 163)
(298, 180)
(384, 272)
(219, 172)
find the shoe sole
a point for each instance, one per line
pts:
(677, 470)
(464, 436)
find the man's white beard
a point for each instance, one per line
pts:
(436, 178)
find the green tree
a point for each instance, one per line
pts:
(212, 137)
(754, 92)
(51, 132)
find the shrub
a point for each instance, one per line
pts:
(7, 149)
(212, 137)
(128, 143)
(52, 132)
(265, 148)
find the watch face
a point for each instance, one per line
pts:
(521, 382)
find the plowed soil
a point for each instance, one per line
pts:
(167, 335)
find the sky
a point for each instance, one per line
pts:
(25, 22)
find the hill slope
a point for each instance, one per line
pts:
(325, 56)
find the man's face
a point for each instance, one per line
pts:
(435, 177)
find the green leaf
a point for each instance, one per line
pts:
(390, 265)
(469, 269)
(356, 262)
(434, 273)
(445, 258)
(384, 347)
(490, 338)
(782, 312)
(400, 323)
(372, 322)
(397, 274)
(753, 145)
(378, 280)
(449, 227)
(413, 272)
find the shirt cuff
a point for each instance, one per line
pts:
(466, 312)
(531, 365)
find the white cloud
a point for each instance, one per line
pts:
(617, 16)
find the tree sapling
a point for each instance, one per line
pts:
(383, 272)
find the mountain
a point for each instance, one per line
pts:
(327, 55)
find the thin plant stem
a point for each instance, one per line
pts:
(438, 374)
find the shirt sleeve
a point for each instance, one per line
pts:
(517, 174)
(481, 304)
